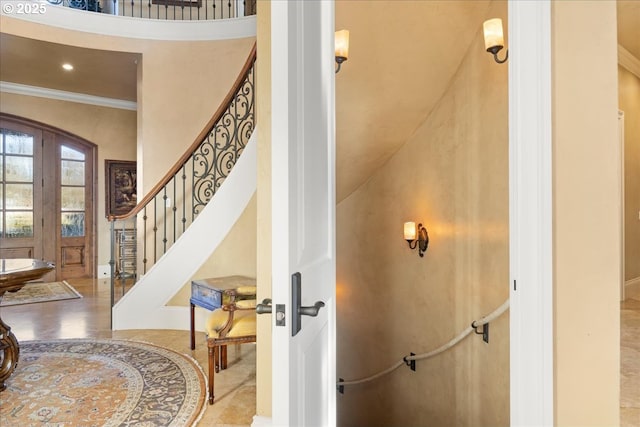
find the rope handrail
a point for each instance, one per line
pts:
(155, 191)
(413, 357)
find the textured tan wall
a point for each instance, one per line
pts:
(629, 102)
(181, 86)
(586, 213)
(112, 130)
(451, 175)
(236, 254)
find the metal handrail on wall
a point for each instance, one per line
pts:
(163, 215)
(182, 10)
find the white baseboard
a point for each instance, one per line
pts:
(260, 421)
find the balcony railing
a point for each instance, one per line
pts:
(182, 10)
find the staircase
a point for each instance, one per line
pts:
(183, 219)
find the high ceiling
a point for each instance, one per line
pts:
(402, 56)
(96, 72)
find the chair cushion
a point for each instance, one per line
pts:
(244, 326)
(244, 323)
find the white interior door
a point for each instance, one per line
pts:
(303, 216)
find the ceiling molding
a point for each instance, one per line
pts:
(61, 95)
(628, 61)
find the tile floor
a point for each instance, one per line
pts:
(235, 388)
(630, 360)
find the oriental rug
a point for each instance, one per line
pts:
(40, 292)
(102, 383)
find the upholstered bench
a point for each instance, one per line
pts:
(234, 323)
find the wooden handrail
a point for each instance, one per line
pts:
(201, 136)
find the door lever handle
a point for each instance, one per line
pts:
(311, 311)
(297, 310)
(264, 307)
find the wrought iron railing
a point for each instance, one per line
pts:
(166, 9)
(162, 216)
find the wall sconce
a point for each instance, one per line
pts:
(410, 236)
(493, 38)
(342, 47)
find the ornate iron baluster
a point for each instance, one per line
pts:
(211, 159)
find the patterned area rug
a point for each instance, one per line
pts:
(102, 383)
(40, 292)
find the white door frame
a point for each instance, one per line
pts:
(530, 213)
(530, 181)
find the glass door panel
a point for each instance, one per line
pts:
(20, 197)
(73, 203)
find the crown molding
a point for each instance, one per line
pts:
(628, 61)
(61, 95)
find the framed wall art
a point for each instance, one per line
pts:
(121, 191)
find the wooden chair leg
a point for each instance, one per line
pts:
(216, 356)
(212, 351)
(223, 357)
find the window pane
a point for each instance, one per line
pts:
(72, 198)
(19, 169)
(72, 172)
(70, 153)
(18, 143)
(19, 196)
(1, 197)
(73, 224)
(19, 224)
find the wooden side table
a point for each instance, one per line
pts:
(212, 293)
(14, 274)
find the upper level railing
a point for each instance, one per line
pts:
(162, 216)
(166, 9)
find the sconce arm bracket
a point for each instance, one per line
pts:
(484, 331)
(410, 363)
(494, 50)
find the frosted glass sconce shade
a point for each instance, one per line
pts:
(422, 241)
(494, 38)
(341, 47)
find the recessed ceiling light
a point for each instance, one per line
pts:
(67, 66)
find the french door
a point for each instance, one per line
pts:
(46, 197)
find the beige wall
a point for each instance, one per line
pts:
(451, 175)
(263, 360)
(629, 102)
(236, 254)
(112, 130)
(181, 86)
(586, 213)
